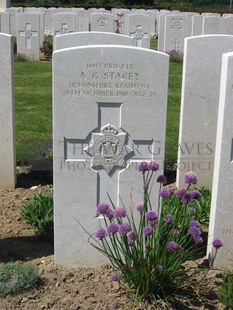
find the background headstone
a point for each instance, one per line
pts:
(197, 24)
(120, 20)
(138, 26)
(214, 25)
(28, 35)
(64, 23)
(199, 105)
(102, 22)
(91, 38)
(5, 22)
(106, 103)
(7, 131)
(177, 27)
(221, 216)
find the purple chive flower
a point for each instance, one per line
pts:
(164, 193)
(152, 217)
(159, 268)
(192, 211)
(168, 218)
(124, 228)
(119, 212)
(217, 243)
(110, 214)
(198, 239)
(180, 192)
(115, 277)
(172, 246)
(153, 165)
(101, 233)
(132, 237)
(187, 199)
(170, 190)
(148, 230)
(140, 207)
(112, 228)
(190, 178)
(102, 208)
(143, 167)
(195, 232)
(195, 223)
(161, 179)
(195, 194)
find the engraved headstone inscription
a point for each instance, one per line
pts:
(64, 23)
(221, 216)
(106, 102)
(103, 22)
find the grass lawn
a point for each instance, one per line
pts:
(33, 106)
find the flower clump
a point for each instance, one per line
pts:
(149, 246)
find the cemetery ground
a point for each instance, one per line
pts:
(81, 288)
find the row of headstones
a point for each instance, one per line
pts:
(100, 92)
(115, 20)
(30, 28)
(172, 29)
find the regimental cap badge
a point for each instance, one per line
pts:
(108, 149)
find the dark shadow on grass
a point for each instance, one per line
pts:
(25, 248)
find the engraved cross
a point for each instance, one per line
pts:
(138, 35)
(176, 45)
(64, 29)
(28, 34)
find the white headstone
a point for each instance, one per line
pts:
(13, 23)
(48, 22)
(83, 20)
(91, 38)
(199, 105)
(64, 23)
(102, 22)
(139, 28)
(28, 35)
(120, 20)
(221, 216)
(106, 99)
(5, 22)
(161, 32)
(229, 25)
(176, 29)
(214, 25)
(197, 24)
(7, 132)
(210, 14)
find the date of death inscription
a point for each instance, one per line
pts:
(109, 80)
